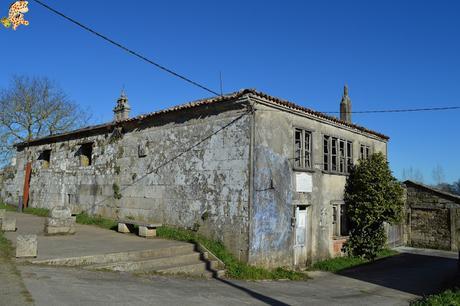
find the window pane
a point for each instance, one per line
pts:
(335, 219)
(326, 153)
(334, 154)
(307, 149)
(342, 156)
(343, 221)
(298, 148)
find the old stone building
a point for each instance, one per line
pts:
(261, 174)
(432, 217)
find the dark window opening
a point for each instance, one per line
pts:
(86, 154)
(45, 158)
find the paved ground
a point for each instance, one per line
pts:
(88, 240)
(391, 281)
(12, 289)
(66, 286)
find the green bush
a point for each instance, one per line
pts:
(372, 196)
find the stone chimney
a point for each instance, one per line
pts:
(121, 111)
(345, 106)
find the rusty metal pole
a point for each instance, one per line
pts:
(25, 195)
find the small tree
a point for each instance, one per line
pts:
(32, 108)
(372, 196)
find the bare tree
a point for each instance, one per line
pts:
(438, 175)
(412, 174)
(32, 108)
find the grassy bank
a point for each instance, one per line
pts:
(235, 268)
(341, 263)
(448, 297)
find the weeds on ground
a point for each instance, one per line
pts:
(448, 297)
(8, 207)
(338, 264)
(41, 212)
(99, 221)
(235, 268)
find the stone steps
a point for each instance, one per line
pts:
(167, 259)
(148, 264)
(193, 263)
(117, 257)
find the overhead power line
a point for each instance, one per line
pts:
(136, 54)
(401, 110)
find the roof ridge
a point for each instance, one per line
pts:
(212, 100)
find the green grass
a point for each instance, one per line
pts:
(235, 268)
(8, 207)
(448, 297)
(340, 263)
(41, 212)
(84, 218)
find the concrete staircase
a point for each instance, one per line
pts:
(177, 259)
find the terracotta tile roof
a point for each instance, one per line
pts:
(207, 101)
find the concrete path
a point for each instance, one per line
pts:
(391, 281)
(68, 286)
(88, 240)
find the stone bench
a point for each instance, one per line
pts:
(145, 229)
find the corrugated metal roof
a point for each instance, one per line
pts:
(208, 101)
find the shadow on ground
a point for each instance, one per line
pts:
(411, 273)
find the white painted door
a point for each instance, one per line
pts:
(300, 245)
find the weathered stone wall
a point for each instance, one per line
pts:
(8, 192)
(431, 219)
(275, 198)
(183, 169)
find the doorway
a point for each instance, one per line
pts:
(300, 239)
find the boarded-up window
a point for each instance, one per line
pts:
(302, 149)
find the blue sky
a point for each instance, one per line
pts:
(392, 54)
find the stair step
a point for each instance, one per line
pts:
(202, 268)
(163, 251)
(195, 268)
(149, 264)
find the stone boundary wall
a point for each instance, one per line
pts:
(432, 219)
